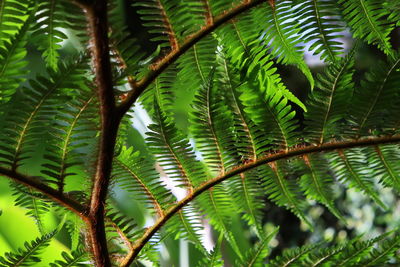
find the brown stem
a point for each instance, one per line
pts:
(159, 67)
(98, 25)
(267, 159)
(54, 194)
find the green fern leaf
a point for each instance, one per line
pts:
(316, 182)
(384, 164)
(139, 177)
(28, 255)
(383, 253)
(173, 152)
(366, 20)
(282, 34)
(76, 258)
(33, 202)
(322, 24)
(27, 115)
(282, 191)
(255, 257)
(328, 104)
(375, 97)
(73, 132)
(348, 165)
(292, 257)
(13, 15)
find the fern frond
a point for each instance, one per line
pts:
(292, 257)
(155, 17)
(321, 25)
(217, 206)
(347, 165)
(282, 34)
(162, 89)
(74, 130)
(256, 256)
(173, 152)
(374, 99)
(214, 258)
(187, 224)
(13, 15)
(279, 124)
(381, 255)
(29, 113)
(122, 228)
(367, 21)
(317, 182)
(281, 190)
(12, 60)
(329, 101)
(384, 161)
(196, 64)
(76, 258)
(32, 201)
(28, 255)
(47, 32)
(211, 128)
(138, 176)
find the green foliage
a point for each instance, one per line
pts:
(217, 147)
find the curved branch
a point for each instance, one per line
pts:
(54, 194)
(170, 58)
(243, 168)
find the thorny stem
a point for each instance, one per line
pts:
(170, 58)
(137, 247)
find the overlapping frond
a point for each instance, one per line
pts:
(281, 190)
(76, 258)
(32, 109)
(173, 152)
(29, 254)
(138, 176)
(211, 127)
(256, 256)
(321, 27)
(373, 103)
(348, 165)
(366, 19)
(12, 60)
(32, 201)
(13, 15)
(317, 182)
(50, 30)
(73, 134)
(282, 34)
(329, 102)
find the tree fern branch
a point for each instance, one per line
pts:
(98, 25)
(243, 168)
(170, 58)
(45, 189)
